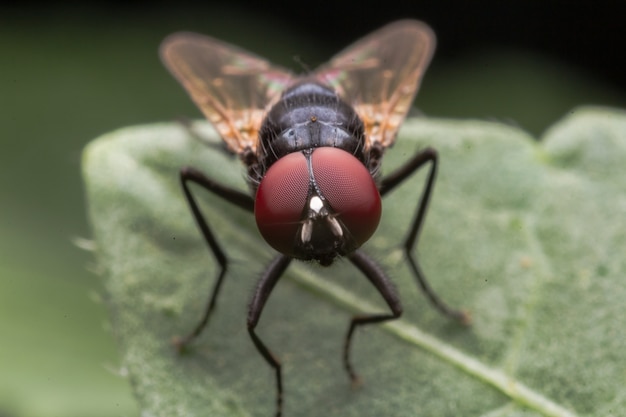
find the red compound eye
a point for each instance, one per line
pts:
(350, 190)
(280, 201)
(344, 183)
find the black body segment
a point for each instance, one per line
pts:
(309, 115)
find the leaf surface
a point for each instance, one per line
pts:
(528, 235)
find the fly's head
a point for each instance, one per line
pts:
(317, 204)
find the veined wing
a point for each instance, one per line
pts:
(380, 75)
(233, 88)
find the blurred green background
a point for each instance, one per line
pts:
(70, 75)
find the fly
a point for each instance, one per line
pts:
(312, 146)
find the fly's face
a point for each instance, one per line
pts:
(317, 204)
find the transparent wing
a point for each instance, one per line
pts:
(380, 75)
(232, 87)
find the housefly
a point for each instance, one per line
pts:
(312, 146)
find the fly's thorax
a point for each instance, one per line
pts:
(309, 115)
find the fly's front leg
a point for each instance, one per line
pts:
(236, 197)
(263, 290)
(426, 156)
(385, 287)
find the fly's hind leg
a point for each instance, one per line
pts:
(263, 290)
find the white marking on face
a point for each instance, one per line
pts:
(316, 204)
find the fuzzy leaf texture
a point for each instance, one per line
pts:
(528, 235)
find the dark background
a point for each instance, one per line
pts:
(71, 72)
(588, 35)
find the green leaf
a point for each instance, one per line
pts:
(528, 235)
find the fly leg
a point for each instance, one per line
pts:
(239, 199)
(426, 156)
(263, 290)
(385, 287)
